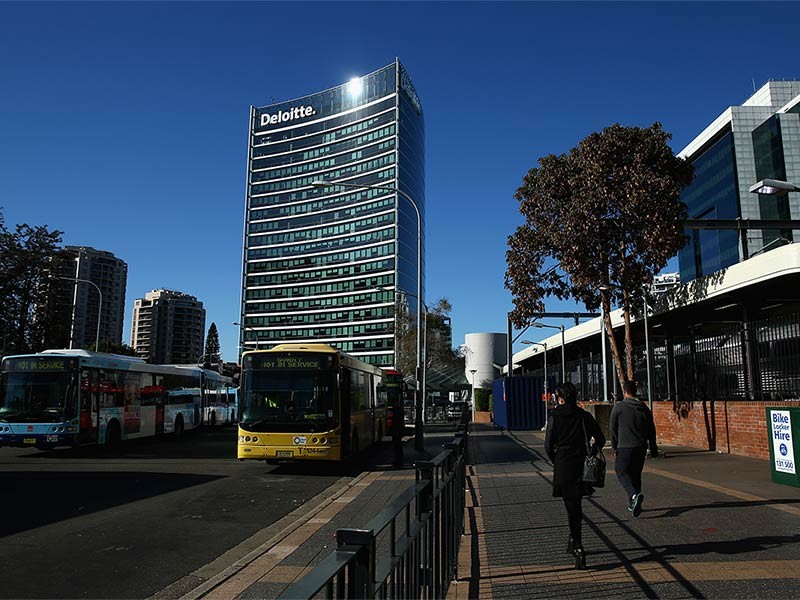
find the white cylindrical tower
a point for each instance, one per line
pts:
(484, 353)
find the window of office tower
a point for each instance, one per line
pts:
(321, 263)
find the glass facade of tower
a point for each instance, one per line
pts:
(314, 257)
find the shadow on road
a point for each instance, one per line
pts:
(33, 498)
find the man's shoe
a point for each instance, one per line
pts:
(636, 507)
(580, 558)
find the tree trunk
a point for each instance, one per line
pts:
(613, 340)
(626, 311)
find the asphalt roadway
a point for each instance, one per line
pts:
(88, 524)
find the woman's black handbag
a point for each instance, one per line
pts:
(594, 467)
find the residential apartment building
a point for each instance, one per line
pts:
(102, 280)
(759, 139)
(322, 264)
(168, 327)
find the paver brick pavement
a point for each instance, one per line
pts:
(713, 526)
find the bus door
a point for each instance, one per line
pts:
(88, 414)
(344, 410)
(161, 394)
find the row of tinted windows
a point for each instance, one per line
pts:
(347, 212)
(327, 163)
(322, 245)
(342, 316)
(335, 258)
(322, 288)
(321, 274)
(260, 152)
(316, 206)
(319, 303)
(343, 172)
(325, 232)
(312, 194)
(343, 146)
(328, 332)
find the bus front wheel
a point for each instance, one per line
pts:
(179, 426)
(113, 435)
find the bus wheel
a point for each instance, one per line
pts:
(113, 435)
(213, 419)
(179, 426)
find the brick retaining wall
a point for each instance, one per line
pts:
(734, 426)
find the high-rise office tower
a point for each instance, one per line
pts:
(322, 264)
(758, 140)
(168, 327)
(80, 302)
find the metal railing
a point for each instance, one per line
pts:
(410, 549)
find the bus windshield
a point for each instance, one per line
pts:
(38, 397)
(287, 401)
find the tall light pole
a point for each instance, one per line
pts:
(99, 309)
(647, 349)
(543, 345)
(473, 371)
(563, 354)
(246, 327)
(419, 440)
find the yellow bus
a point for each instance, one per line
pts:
(308, 402)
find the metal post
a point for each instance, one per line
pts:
(473, 371)
(563, 357)
(509, 349)
(362, 584)
(603, 334)
(647, 355)
(99, 309)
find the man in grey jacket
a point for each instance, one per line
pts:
(632, 429)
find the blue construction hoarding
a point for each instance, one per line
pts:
(517, 402)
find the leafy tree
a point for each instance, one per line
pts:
(438, 337)
(212, 353)
(608, 214)
(28, 258)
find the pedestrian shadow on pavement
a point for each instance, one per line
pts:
(676, 511)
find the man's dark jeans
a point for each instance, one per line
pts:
(628, 466)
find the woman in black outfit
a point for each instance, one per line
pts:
(565, 444)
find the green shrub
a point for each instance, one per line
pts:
(483, 399)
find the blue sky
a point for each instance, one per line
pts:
(125, 124)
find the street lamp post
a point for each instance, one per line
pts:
(647, 350)
(419, 440)
(563, 354)
(246, 327)
(473, 371)
(543, 345)
(99, 309)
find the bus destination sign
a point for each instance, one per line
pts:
(38, 363)
(292, 361)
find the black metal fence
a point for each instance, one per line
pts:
(410, 549)
(757, 359)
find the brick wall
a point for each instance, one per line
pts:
(735, 426)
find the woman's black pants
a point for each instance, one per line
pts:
(574, 516)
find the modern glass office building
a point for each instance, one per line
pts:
(322, 264)
(758, 140)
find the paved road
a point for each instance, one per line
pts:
(86, 524)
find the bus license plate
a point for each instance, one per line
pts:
(284, 453)
(28, 440)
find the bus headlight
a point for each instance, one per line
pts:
(255, 440)
(315, 440)
(247, 438)
(324, 440)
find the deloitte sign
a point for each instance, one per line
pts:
(298, 112)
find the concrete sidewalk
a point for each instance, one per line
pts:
(713, 526)
(265, 565)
